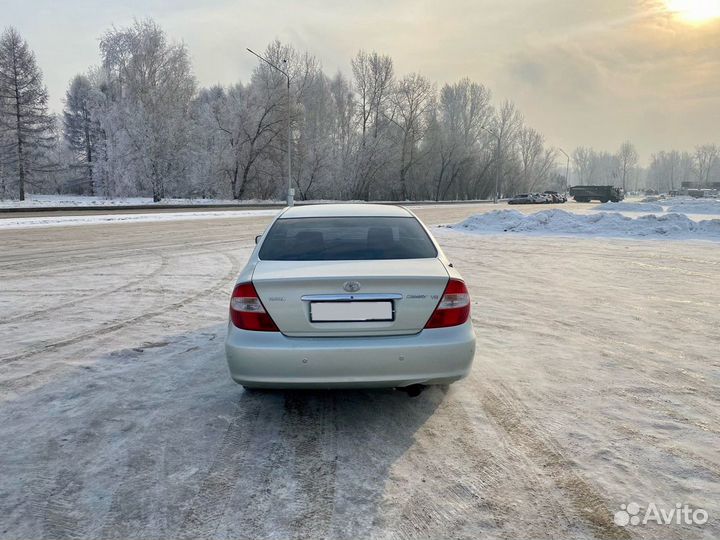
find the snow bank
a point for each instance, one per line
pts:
(695, 206)
(42, 201)
(562, 223)
(63, 221)
(629, 207)
(680, 205)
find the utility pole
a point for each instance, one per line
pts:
(497, 163)
(290, 190)
(567, 169)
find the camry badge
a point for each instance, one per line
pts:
(351, 286)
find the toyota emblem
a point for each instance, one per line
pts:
(351, 286)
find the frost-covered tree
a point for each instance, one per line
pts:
(536, 160)
(460, 146)
(24, 119)
(251, 120)
(665, 170)
(344, 139)
(627, 158)
(506, 127)
(313, 155)
(707, 157)
(584, 162)
(81, 127)
(207, 147)
(137, 125)
(413, 101)
(374, 80)
(151, 88)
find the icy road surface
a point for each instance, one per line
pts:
(596, 384)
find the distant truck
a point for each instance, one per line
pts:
(597, 193)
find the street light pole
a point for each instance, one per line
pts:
(567, 169)
(497, 164)
(290, 190)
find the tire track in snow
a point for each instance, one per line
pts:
(508, 413)
(164, 263)
(311, 429)
(108, 328)
(459, 484)
(467, 484)
(282, 483)
(228, 467)
(58, 519)
(64, 255)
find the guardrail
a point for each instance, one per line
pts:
(154, 207)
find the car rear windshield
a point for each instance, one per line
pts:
(346, 239)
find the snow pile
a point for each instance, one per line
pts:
(562, 223)
(695, 206)
(681, 205)
(629, 207)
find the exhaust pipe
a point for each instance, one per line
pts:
(414, 390)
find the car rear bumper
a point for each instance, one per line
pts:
(273, 360)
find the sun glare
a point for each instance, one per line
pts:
(694, 11)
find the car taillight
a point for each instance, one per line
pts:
(453, 308)
(247, 311)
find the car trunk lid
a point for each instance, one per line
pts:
(403, 291)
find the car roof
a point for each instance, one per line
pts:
(345, 210)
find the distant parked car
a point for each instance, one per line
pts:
(556, 197)
(523, 198)
(541, 198)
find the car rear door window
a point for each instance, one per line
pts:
(346, 238)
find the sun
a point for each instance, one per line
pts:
(694, 11)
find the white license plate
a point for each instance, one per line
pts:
(350, 311)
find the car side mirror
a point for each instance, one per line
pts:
(257, 238)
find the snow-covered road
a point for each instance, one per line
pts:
(596, 383)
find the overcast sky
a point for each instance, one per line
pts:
(590, 72)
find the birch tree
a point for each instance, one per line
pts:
(374, 77)
(153, 89)
(413, 98)
(459, 142)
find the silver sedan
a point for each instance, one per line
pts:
(348, 295)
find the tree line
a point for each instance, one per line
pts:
(138, 124)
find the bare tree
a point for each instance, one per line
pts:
(627, 158)
(535, 159)
(584, 162)
(664, 170)
(706, 156)
(506, 126)
(458, 140)
(374, 79)
(315, 125)
(412, 99)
